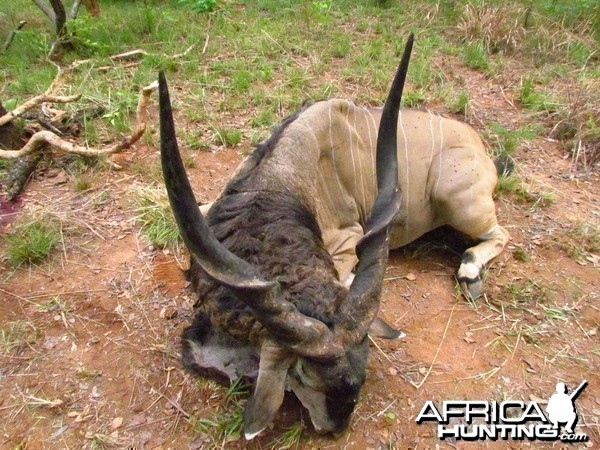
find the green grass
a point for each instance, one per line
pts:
(226, 425)
(588, 235)
(533, 97)
(527, 294)
(505, 142)
(153, 214)
(31, 243)
(414, 99)
(510, 185)
(583, 238)
(289, 438)
(521, 254)
(254, 61)
(460, 104)
(476, 57)
(228, 137)
(16, 335)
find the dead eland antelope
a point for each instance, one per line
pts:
(270, 260)
(271, 305)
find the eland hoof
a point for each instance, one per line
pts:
(472, 289)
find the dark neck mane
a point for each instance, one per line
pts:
(280, 236)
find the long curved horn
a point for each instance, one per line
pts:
(216, 260)
(285, 323)
(372, 250)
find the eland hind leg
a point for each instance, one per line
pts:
(463, 197)
(474, 259)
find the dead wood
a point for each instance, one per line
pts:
(29, 154)
(12, 35)
(35, 101)
(28, 157)
(41, 138)
(18, 174)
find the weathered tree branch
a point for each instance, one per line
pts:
(60, 18)
(32, 103)
(19, 173)
(40, 138)
(12, 35)
(10, 134)
(74, 10)
(46, 10)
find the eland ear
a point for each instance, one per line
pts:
(381, 329)
(269, 390)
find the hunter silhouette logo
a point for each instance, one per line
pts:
(512, 419)
(561, 406)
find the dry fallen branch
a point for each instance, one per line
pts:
(139, 52)
(47, 137)
(32, 103)
(12, 35)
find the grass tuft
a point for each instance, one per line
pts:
(476, 57)
(531, 97)
(290, 438)
(460, 103)
(584, 239)
(498, 29)
(32, 242)
(505, 142)
(229, 137)
(227, 425)
(155, 217)
(16, 335)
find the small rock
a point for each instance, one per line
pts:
(410, 276)
(200, 442)
(95, 393)
(145, 437)
(116, 423)
(59, 431)
(137, 420)
(168, 312)
(469, 337)
(50, 342)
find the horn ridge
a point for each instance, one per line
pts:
(387, 153)
(372, 250)
(215, 259)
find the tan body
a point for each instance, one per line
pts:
(445, 176)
